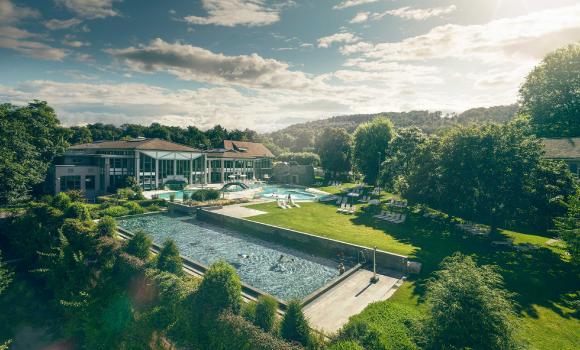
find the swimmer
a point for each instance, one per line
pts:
(341, 268)
(243, 256)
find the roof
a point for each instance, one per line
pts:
(241, 149)
(562, 148)
(137, 144)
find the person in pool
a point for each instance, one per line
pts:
(341, 268)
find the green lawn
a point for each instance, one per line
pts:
(543, 284)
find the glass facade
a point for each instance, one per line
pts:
(68, 183)
(119, 170)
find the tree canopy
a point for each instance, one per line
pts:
(551, 94)
(334, 147)
(371, 141)
(30, 137)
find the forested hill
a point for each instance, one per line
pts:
(301, 136)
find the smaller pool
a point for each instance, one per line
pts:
(267, 191)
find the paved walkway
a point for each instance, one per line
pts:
(331, 310)
(239, 211)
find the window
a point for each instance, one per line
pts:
(228, 164)
(89, 183)
(216, 164)
(68, 183)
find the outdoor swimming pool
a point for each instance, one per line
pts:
(257, 262)
(267, 191)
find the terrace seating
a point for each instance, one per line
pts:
(395, 218)
(292, 203)
(391, 202)
(342, 208)
(474, 229)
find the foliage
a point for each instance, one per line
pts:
(234, 332)
(220, 290)
(399, 156)
(491, 174)
(370, 145)
(128, 193)
(30, 137)
(139, 245)
(185, 196)
(115, 211)
(302, 158)
(172, 197)
(79, 211)
(294, 325)
(61, 201)
(5, 275)
(169, 259)
(134, 208)
(568, 229)
(382, 325)
(334, 146)
(107, 227)
(469, 308)
(265, 313)
(146, 203)
(550, 94)
(205, 195)
(345, 345)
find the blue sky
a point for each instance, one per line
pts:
(264, 64)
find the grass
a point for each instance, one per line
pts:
(543, 284)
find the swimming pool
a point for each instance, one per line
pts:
(265, 191)
(258, 262)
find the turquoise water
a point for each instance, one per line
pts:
(256, 261)
(268, 191)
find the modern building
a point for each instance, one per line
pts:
(103, 167)
(566, 149)
(292, 173)
(238, 161)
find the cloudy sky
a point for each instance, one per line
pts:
(265, 64)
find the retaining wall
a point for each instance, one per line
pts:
(309, 243)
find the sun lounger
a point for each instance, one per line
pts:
(352, 209)
(342, 207)
(279, 203)
(293, 203)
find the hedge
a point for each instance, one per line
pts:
(145, 203)
(235, 332)
(205, 195)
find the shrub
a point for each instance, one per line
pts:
(294, 325)
(345, 345)
(126, 193)
(220, 289)
(186, 196)
(205, 195)
(107, 226)
(265, 317)
(139, 245)
(172, 197)
(115, 211)
(169, 259)
(61, 201)
(79, 211)
(134, 208)
(145, 203)
(76, 195)
(234, 332)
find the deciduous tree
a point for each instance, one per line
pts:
(370, 145)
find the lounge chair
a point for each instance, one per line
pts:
(342, 207)
(279, 203)
(352, 209)
(293, 203)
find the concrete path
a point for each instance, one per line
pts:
(331, 310)
(239, 211)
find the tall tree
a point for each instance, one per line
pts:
(30, 137)
(551, 94)
(334, 148)
(169, 259)
(370, 145)
(568, 229)
(470, 309)
(294, 325)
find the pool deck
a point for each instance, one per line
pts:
(240, 210)
(332, 310)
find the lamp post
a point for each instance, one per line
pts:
(375, 278)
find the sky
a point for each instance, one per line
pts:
(266, 64)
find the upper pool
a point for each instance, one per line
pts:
(267, 191)
(280, 271)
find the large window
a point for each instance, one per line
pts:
(68, 183)
(119, 170)
(228, 164)
(147, 172)
(216, 164)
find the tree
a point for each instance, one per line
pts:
(79, 134)
(550, 94)
(470, 309)
(266, 313)
(568, 229)
(399, 156)
(5, 275)
(139, 245)
(107, 227)
(169, 259)
(302, 158)
(294, 325)
(30, 137)
(334, 147)
(370, 145)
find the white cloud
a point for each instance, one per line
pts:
(360, 17)
(90, 8)
(422, 14)
(57, 24)
(75, 43)
(525, 37)
(351, 3)
(21, 40)
(230, 13)
(195, 63)
(346, 38)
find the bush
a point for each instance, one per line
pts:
(145, 203)
(345, 345)
(294, 325)
(172, 197)
(61, 201)
(134, 208)
(139, 245)
(107, 227)
(205, 195)
(265, 317)
(115, 211)
(79, 211)
(234, 332)
(169, 259)
(220, 289)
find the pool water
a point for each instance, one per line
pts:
(258, 263)
(267, 191)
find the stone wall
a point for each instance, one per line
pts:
(315, 245)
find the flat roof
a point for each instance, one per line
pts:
(240, 149)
